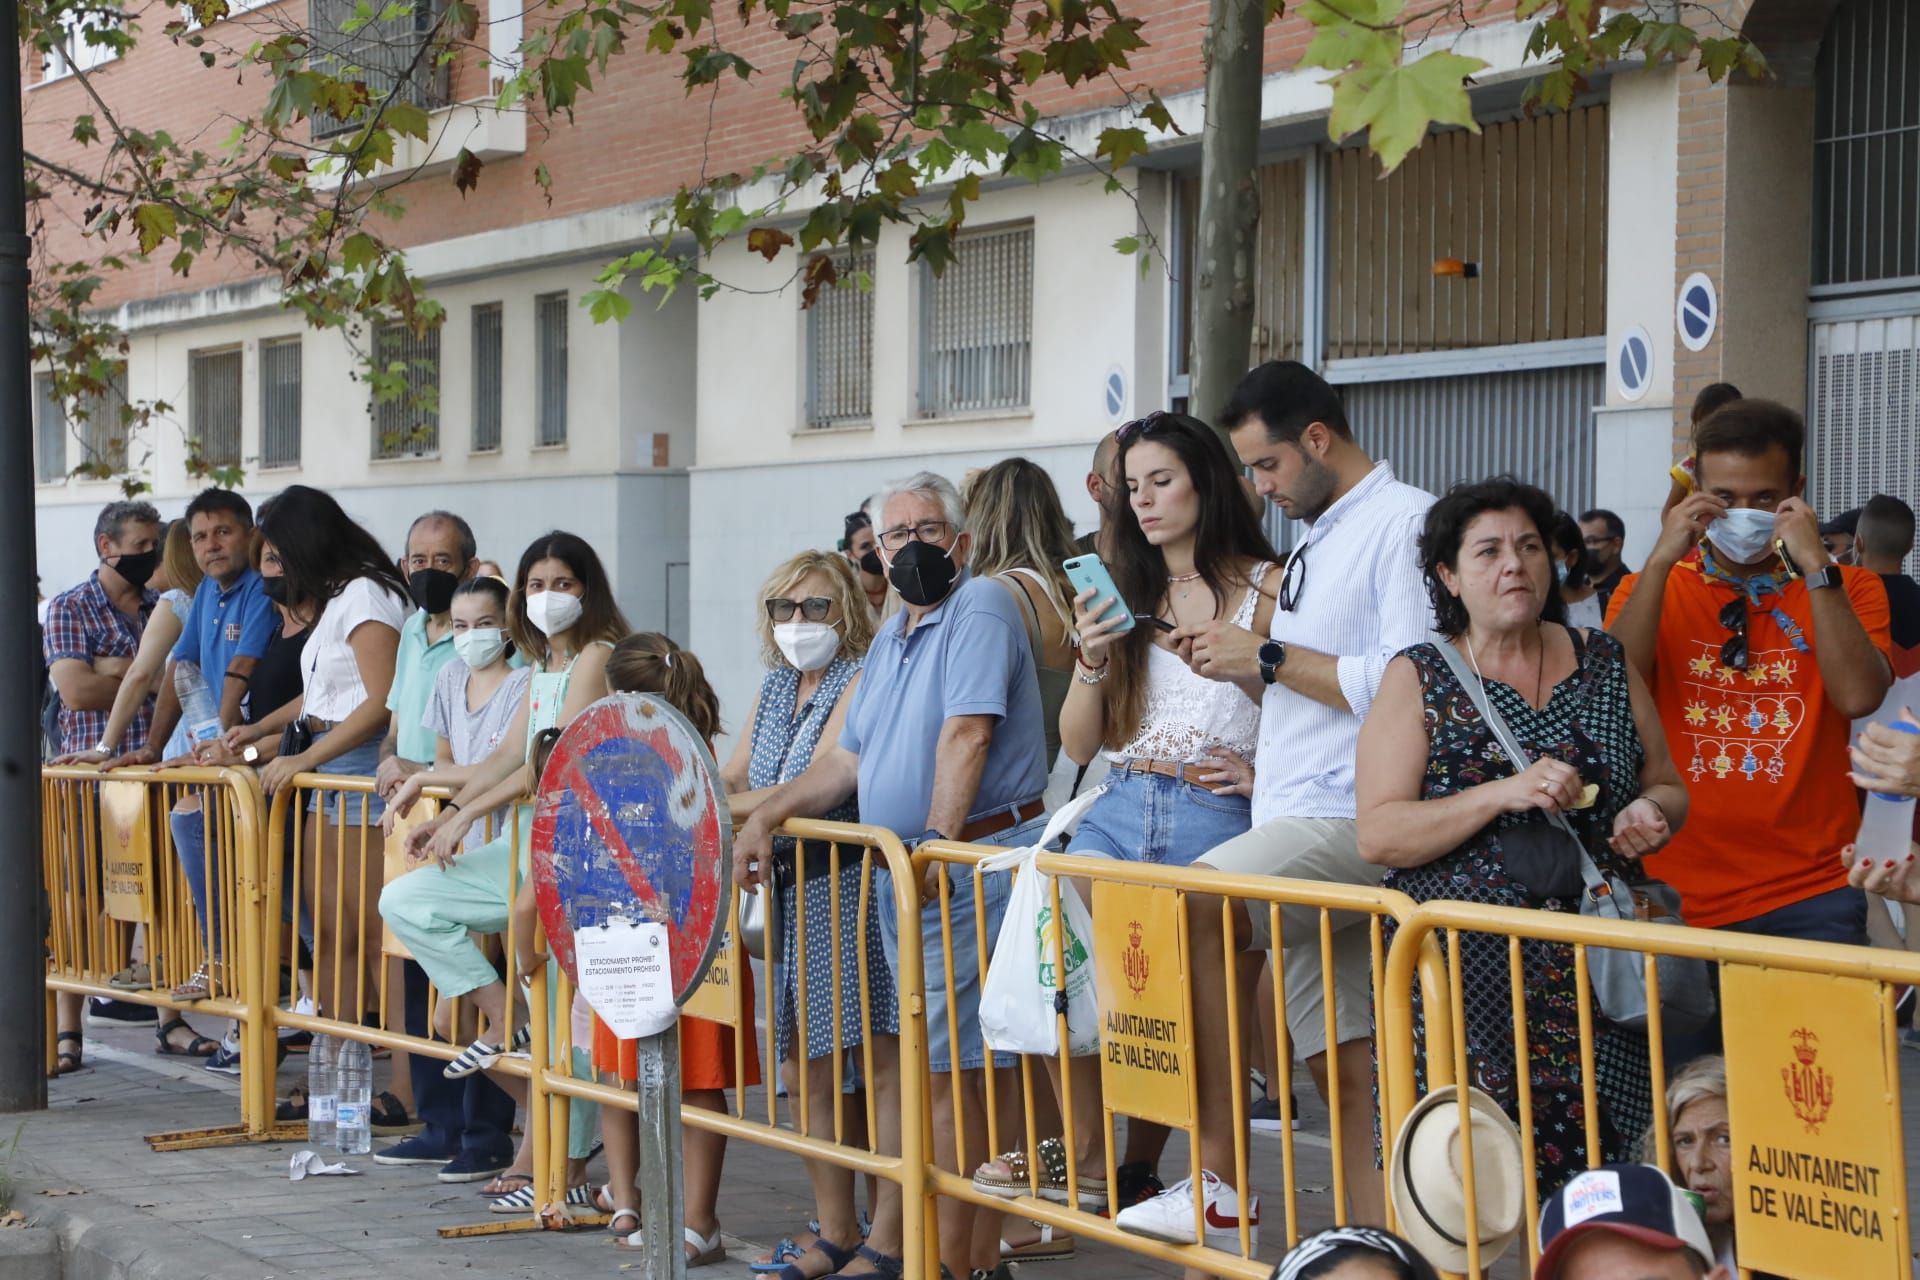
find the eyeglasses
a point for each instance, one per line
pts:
(925, 531)
(1734, 618)
(1292, 580)
(1598, 542)
(813, 608)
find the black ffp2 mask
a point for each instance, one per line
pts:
(138, 566)
(277, 590)
(922, 573)
(432, 589)
(871, 566)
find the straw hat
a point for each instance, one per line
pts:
(1427, 1178)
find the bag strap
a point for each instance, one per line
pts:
(1597, 886)
(1062, 818)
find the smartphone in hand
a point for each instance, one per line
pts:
(1088, 571)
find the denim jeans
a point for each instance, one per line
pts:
(473, 1115)
(190, 844)
(1144, 817)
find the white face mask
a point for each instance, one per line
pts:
(481, 647)
(809, 646)
(1743, 534)
(553, 612)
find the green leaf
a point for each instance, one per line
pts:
(359, 251)
(407, 120)
(606, 304)
(84, 130)
(156, 225)
(1397, 106)
(1121, 145)
(1127, 244)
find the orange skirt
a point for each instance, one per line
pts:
(706, 1050)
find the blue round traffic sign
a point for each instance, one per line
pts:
(632, 823)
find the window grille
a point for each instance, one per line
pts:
(214, 406)
(50, 431)
(103, 436)
(976, 326)
(75, 51)
(408, 424)
(386, 50)
(1866, 145)
(280, 402)
(550, 324)
(840, 348)
(1863, 431)
(486, 377)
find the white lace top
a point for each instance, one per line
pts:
(1186, 715)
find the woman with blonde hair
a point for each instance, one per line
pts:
(815, 627)
(1702, 1147)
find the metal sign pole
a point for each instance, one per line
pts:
(663, 1209)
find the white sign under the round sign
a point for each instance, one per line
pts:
(1633, 363)
(1116, 395)
(1696, 312)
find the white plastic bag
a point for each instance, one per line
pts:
(1017, 1004)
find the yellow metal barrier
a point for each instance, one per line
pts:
(1829, 1007)
(1165, 895)
(111, 865)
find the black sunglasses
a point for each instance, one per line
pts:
(813, 608)
(1292, 579)
(1734, 618)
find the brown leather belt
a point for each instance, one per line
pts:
(317, 725)
(1187, 773)
(980, 828)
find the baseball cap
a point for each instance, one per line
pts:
(1846, 522)
(1633, 1200)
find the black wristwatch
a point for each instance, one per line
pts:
(1273, 656)
(1824, 578)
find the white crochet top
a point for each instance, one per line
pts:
(1188, 715)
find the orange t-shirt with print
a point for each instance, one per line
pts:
(1762, 752)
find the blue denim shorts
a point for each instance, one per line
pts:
(359, 810)
(966, 953)
(1144, 817)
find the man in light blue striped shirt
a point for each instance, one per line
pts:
(1351, 598)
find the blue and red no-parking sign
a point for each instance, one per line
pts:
(632, 822)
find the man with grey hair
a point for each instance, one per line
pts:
(90, 639)
(943, 741)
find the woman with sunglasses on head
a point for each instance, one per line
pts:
(1184, 548)
(815, 626)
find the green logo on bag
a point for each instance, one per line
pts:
(1070, 943)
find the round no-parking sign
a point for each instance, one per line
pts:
(631, 827)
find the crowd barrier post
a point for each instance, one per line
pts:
(1812, 1053)
(110, 864)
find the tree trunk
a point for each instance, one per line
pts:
(1229, 204)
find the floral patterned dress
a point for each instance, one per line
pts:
(1587, 722)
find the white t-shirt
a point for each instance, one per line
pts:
(1586, 613)
(329, 675)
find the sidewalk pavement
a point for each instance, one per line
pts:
(231, 1213)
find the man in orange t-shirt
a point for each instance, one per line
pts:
(1759, 652)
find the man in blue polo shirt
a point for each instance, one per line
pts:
(943, 740)
(226, 632)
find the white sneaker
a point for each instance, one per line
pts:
(1169, 1215)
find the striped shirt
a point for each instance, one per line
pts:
(1362, 599)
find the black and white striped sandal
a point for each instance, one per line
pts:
(480, 1056)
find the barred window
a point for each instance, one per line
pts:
(406, 424)
(213, 403)
(976, 325)
(103, 432)
(75, 49)
(381, 47)
(550, 324)
(840, 347)
(486, 377)
(280, 402)
(50, 431)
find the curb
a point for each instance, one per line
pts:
(94, 1237)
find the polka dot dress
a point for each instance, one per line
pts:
(784, 739)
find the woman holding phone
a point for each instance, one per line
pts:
(1183, 548)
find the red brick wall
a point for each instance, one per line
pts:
(636, 135)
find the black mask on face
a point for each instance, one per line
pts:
(870, 564)
(136, 567)
(276, 590)
(922, 573)
(432, 589)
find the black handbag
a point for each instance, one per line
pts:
(295, 738)
(1539, 859)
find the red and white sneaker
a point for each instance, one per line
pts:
(1169, 1215)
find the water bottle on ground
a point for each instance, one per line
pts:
(199, 709)
(322, 1089)
(1886, 824)
(353, 1119)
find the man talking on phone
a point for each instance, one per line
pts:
(1352, 596)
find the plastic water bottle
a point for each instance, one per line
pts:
(353, 1119)
(199, 710)
(322, 1089)
(1886, 825)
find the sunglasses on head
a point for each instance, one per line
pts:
(1733, 616)
(813, 608)
(1140, 426)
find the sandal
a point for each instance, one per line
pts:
(613, 1223)
(198, 1047)
(580, 1202)
(390, 1116)
(480, 1056)
(66, 1061)
(198, 987)
(706, 1249)
(884, 1265)
(1052, 1154)
(827, 1249)
(135, 977)
(778, 1257)
(499, 1186)
(519, 1200)
(1048, 1248)
(294, 1108)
